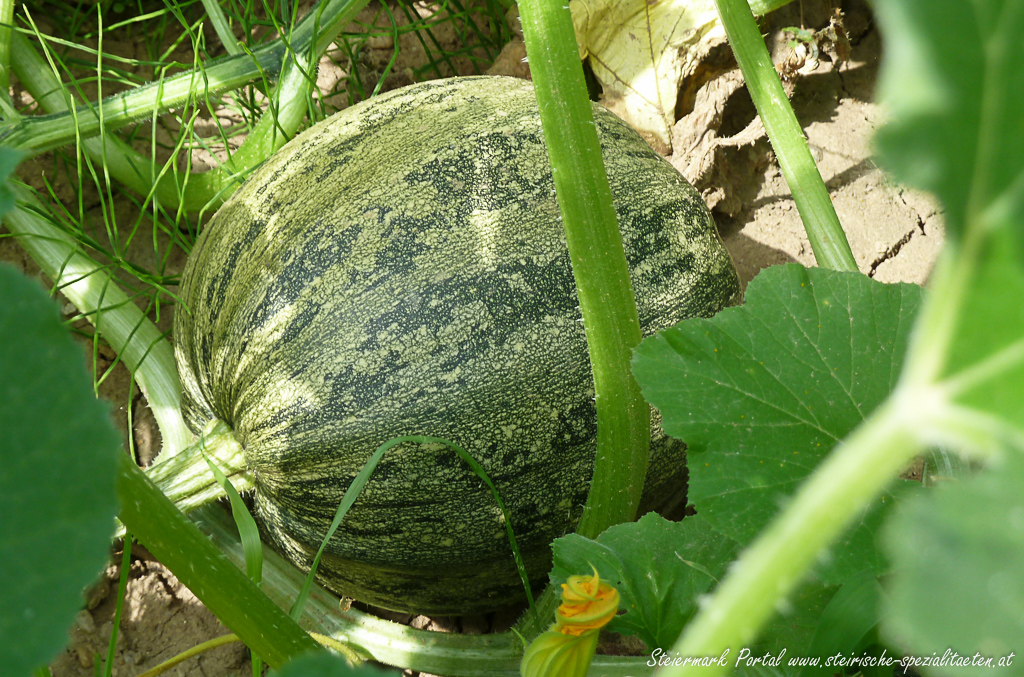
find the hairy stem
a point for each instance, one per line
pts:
(841, 488)
(89, 285)
(598, 263)
(831, 249)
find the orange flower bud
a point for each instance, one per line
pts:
(568, 647)
(587, 604)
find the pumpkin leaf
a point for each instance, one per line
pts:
(58, 455)
(953, 83)
(762, 392)
(660, 569)
(958, 553)
(640, 51)
(323, 664)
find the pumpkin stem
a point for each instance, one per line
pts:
(186, 479)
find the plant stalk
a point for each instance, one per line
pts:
(494, 655)
(843, 486)
(6, 20)
(828, 241)
(311, 36)
(188, 482)
(88, 285)
(598, 264)
(199, 564)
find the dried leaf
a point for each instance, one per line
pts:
(641, 51)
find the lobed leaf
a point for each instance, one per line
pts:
(761, 393)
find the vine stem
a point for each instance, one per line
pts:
(216, 581)
(492, 655)
(828, 241)
(291, 58)
(88, 285)
(6, 19)
(841, 488)
(598, 264)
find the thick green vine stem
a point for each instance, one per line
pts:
(602, 276)
(91, 288)
(828, 241)
(199, 564)
(598, 264)
(186, 479)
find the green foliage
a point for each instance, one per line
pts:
(850, 619)
(953, 83)
(664, 569)
(955, 87)
(660, 569)
(57, 468)
(959, 555)
(762, 393)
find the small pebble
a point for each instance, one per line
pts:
(85, 621)
(84, 656)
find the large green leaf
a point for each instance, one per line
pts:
(953, 82)
(959, 580)
(761, 393)
(57, 463)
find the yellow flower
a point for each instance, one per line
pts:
(567, 648)
(587, 604)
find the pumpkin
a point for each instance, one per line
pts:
(400, 269)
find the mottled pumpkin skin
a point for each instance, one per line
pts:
(400, 269)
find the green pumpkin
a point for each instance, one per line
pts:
(401, 269)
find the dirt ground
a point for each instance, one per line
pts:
(895, 235)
